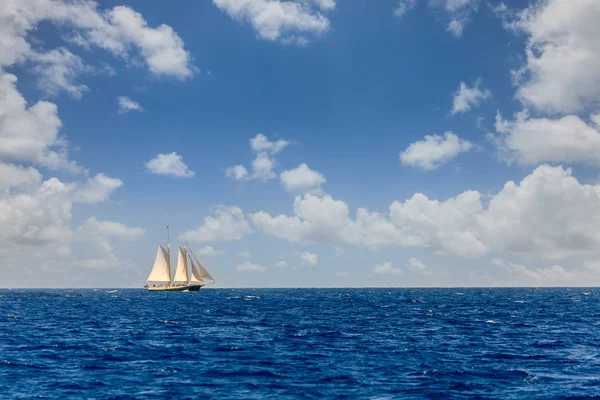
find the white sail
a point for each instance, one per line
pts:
(202, 270)
(161, 271)
(181, 274)
(196, 276)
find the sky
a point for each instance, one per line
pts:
(301, 143)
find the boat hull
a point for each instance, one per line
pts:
(188, 288)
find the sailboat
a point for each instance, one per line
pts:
(190, 274)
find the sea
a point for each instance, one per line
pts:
(300, 344)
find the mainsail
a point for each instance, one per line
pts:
(181, 273)
(201, 270)
(161, 272)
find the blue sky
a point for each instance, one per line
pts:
(351, 89)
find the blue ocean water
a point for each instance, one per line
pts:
(300, 343)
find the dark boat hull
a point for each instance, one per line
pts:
(187, 288)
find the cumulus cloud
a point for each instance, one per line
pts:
(302, 179)
(30, 134)
(35, 214)
(237, 172)
(117, 30)
(281, 264)
(210, 251)
(260, 143)
(549, 214)
(458, 13)
(229, 224)
(404, 6)
(36, 228)
(245, 254)
(418, 267)
(57, 70)
(262, 167)
(169, 164)
(249, 267)
(434, 151)
(96, 189)
(386, 268)
(308, 259)
(264, 163)
(111, 228)
(276, 20)
(467, 97)
(126, 105)
(555, 275)
(562, 69)
(528, 140)
(13, 176)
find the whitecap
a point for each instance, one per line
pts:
(491, 321)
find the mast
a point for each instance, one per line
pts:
(169, 254)
(185, 260)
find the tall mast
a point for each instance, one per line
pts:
(169, 251)
(187, 275)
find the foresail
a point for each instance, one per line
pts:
(160, 271)
(196, 276)
(181, 271)
(202, 269)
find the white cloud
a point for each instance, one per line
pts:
(245, 254)
(249, 267)
(404, 6)
(325, 5)
(169, 164)
(386, 268)
(549, 214)
(457, 12)
(262, 167)
(341, 274)
(12, 176)
(457, 26)
(529, 140)
(237, 172)
(302, 179)
(116, 30)
(281, 264)
(126, 105)
(555, 275)
(57, 69)
(230, 224)
(467, 97)
(260, 143)
(286, 21)
(434, 151)
(161, 47)
(562, 71)
(35, 228)
(264, 163)
(418, 267)
(30, 134)
(96, 189)
(111, 228)
(210, 251)
(309, 259)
